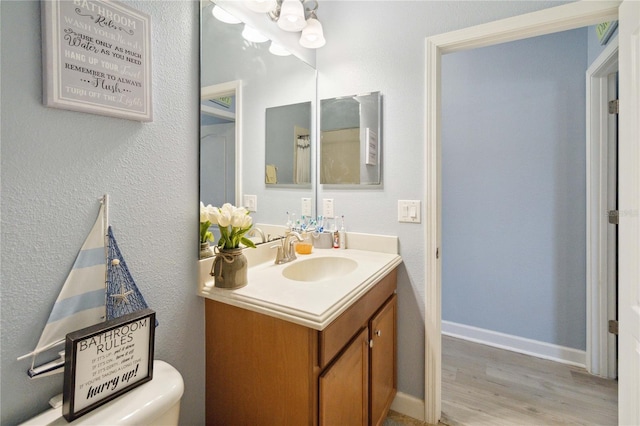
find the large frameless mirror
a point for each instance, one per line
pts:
(246, 86)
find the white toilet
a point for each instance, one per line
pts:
(156, 402)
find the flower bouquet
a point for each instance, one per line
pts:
(229, 266)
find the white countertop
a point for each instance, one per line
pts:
(313, 304)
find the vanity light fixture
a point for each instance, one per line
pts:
(291, 16)
(312, 35)
(294, 16)
(222, 15)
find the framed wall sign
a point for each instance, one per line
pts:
(106, 360)
(96, 58)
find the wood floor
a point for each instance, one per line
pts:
(482, 385)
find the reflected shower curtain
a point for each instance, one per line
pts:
(303, 159)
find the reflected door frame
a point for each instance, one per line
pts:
(230, 88)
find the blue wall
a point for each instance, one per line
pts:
(513, 164)
(56, 163)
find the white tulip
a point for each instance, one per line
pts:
(247, 221)
(224, 216)
(204, 214)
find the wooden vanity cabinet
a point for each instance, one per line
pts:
(344, 386)
(262, 370)
(382, 377)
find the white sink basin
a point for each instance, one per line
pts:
(319, 268)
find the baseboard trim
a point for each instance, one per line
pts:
(408, 405)
(518, 344)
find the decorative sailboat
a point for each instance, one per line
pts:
(98, 288)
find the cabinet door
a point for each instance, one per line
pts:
(344, 386)
(383, 361)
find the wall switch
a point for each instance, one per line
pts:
(250, 202)
(306, 207)
(327, 208)
(409, 211)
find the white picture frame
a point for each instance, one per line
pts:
(96, 58)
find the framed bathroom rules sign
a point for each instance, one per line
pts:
(106, 360)
(96, 58)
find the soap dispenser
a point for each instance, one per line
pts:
(336, 234)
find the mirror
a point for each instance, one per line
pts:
(350, 140)
(262, 88)
(288, 146)
(219, 146)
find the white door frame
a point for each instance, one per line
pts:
(599, 354)
(230, 88)
(629, 217)
(547, 21)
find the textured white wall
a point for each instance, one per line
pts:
(379, 45)
(56, 163)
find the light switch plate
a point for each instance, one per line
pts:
(306, 207)
(250, 202)
(327, 208)
(409, 211)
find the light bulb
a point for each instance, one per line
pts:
(291, 16)
(312, 35)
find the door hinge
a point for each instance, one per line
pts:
(437, 252)
(614, 106)
(613, 327)
(614, 217)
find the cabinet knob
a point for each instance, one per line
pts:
(378, 333)
(371, 343)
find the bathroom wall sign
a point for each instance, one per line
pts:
(106, 360)
(96, 58)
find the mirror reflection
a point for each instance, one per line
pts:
(218, 149)
(266, 83)
(288, 145)
(350, 140)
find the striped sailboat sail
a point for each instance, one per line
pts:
(81, 302)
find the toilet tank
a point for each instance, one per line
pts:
(156, 402)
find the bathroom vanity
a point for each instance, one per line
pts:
(302, 350)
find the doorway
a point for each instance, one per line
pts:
(514, 207)
(513, 202)
(573, 15)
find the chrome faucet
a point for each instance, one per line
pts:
(258, 231)
(286, 252)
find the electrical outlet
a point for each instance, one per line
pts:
(250, 202)
(409, 211)
(306, 207)
(327, 208)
